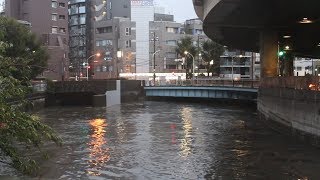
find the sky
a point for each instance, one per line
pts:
(181, 9)
(1, 1)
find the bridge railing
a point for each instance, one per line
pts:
(301, 83)
(208, 82)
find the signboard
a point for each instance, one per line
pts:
(141, 2)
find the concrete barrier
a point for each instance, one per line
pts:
(114, 97)
(298, 111)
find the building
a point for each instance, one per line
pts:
(167, 34)
(80, 36)
(115, 41)
(114, 38)
(49, 21)
(142, 12)
(127, 33)
(304, 66)
(237, 64)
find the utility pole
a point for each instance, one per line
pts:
(154, 57)
(198, 54)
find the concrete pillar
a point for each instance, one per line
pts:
(288, 65)
(269, 53)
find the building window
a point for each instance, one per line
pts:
(62, 5)
(82, 9)
(172, 30)
(54, 4)
(198, 31)
(104, 30)
(103, 43)
(128, 31)
(82, 19)
(128, 44)
(171, 42)
(54, 17)
(54, 30)
(62, 17)
(62, 30)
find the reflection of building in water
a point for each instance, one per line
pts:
(99, 152)
(186, 141)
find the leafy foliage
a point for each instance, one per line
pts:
(25, 51)
(212, 52)
(186, 44)
(18, 129)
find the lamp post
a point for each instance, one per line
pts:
(154, 39)
(186, 53)
(87, 63)
(154, 65)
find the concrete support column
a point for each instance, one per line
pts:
(288, 65)
(269, 53)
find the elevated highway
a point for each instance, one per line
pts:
(267, 26)
(264, 26)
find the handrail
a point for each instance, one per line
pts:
(301, 83)
(207, 82)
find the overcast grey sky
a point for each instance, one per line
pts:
(181, 9)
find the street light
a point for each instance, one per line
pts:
(186, 53)
(98, 55)
(154, 66)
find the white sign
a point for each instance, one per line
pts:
(141, 2)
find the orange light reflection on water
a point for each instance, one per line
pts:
(99, 152)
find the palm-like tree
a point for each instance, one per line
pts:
(186, 44)
(212, 52)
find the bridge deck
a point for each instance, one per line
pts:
(202, 92)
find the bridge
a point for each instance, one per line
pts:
(205, 89)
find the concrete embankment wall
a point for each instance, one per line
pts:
(293, 111)
(71, 93)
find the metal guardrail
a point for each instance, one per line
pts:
(301, 83)
(208, 82)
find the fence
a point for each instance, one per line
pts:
(207, 82)
(302, 83)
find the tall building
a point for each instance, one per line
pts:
(80, 35)
(114, 38)
(127, 33)
(142, 12)
(164, 36)
(49, 21)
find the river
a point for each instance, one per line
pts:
(168, 140)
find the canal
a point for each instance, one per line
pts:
(167, 140)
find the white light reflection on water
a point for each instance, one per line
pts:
(186, 141)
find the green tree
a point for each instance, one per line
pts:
(212, 52)
(25, 51)
(19, 130)
(186, 44)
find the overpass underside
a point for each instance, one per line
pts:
(264, 26)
